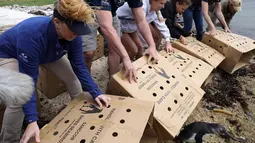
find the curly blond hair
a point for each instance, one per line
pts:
(75, 9)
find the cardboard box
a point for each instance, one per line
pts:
(175, 97)
(237, 49)
(100, 47)
(82, 121)
(49, 84)
(200, 50)
(190, 67)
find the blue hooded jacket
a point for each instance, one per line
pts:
(34, 41)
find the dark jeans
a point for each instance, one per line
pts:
(194, 12)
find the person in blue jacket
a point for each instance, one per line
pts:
(45, 41)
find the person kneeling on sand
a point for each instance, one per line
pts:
(45, 41)
(229, 8)
(169, 12)
(130, 38)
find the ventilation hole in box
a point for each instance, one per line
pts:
(169, 54)
(156, 63)
(186, 88)
(101, 116)
(161, 87)
(85, 102)
(115, 134)
(184, 61)
(166, 57)
(169, 109)
(209, 57)
(197, 68)
(136, 77)
(168, 81)
(92, 127)
(198, 50)
(246, 42)
(154, 94)
(175, 101)
(221, 47)
(83, 141)
(237, 45)
(193, 71)
(181, 94)
(209, 40)
(178, 68)
(181, 64)
(190, 75)
(187, 58)
(150, 67)
(173, 76)
(200, 65)
(108, 106)
(143, 72)
(128, 110)
(66, 121)
(122, 121)
(55, 133)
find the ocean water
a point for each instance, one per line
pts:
(244, 21)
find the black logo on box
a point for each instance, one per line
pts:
(161, 72)
(89, 109)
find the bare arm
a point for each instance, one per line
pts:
(145, 31)
(143, 26)
(105, 22)
(206, 16)
(220, 15)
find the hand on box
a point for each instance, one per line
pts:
(103, 99)
(227, 30)
(32, 130)
(129, 70)
(183, 40)
(168, 47)
(152, 53)
(212, 31)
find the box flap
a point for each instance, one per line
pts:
(190, 67)
(175, 97)
(82, 121)
(201, 51)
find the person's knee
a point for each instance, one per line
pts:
(89, 55)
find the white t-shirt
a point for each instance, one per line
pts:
(127, 19)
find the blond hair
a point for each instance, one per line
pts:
(75, 9)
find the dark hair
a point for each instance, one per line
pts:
(185, 2)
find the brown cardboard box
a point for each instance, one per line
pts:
(190, 67)
(49, 84)
(100, 47)
(201, 51)
(82, 121)
(237, 49)
(175, 97)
